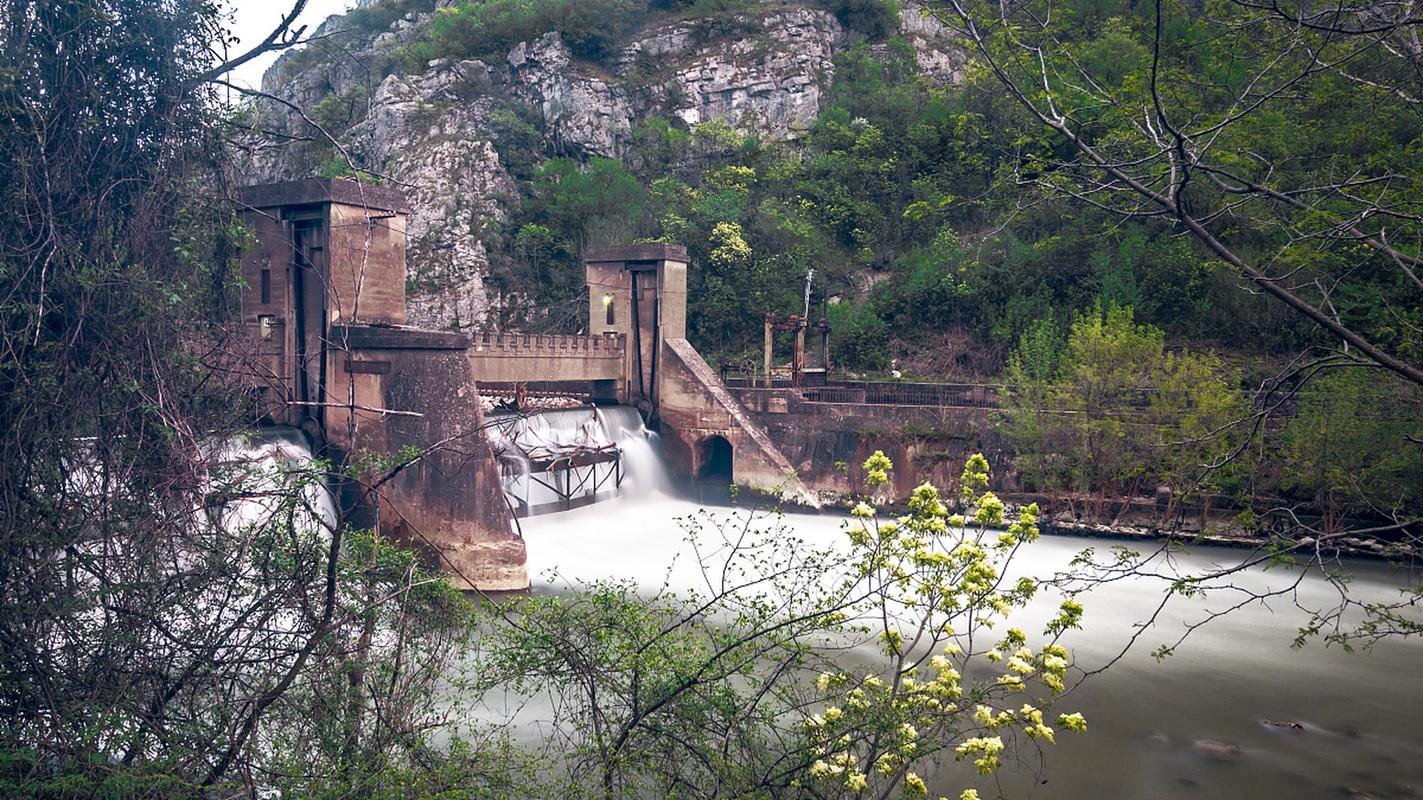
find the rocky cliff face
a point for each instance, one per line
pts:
(771, 84)
(438, 133)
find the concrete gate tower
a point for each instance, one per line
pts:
(325, 307)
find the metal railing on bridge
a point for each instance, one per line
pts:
(815, 388)
(958, 395)
(900, 393)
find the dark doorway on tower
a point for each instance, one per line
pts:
(714, 460)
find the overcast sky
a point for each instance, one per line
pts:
(252, 20)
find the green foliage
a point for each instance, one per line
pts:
(574, 206)
(728, 692)
(1198, 415)
(595, 29)
(25, 775)
(592, 30)
(1347, 450)
(337, 112)
(659, 146)
(598, 203)
(375, 18)
(1108, 408)
(1106, 371)
(1292, 133)
(115, 281)
(1028, 380)
(860, 338)
(874, 19)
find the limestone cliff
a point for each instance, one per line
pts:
(455, 136)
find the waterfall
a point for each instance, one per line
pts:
(556, 460)
(644, 469)
(267, 467)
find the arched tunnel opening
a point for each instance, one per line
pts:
(715, 458)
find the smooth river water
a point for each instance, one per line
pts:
(1362, 712)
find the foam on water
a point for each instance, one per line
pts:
(517, 438)
(265, 466)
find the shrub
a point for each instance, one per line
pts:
(592, 28)
(859, 339)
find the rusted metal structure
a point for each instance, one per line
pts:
(799, 373)
(571, 480)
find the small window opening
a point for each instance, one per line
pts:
(266, 286)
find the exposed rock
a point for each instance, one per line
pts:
(1283, 726)
(1217, 750)
(771, 84)
(938, 49)
(427, 132)
(582, 113)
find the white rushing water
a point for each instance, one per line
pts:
(265, 466)
(519, 439)
(1361, 712)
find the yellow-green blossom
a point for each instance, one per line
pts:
(990, 510)
(987, 748)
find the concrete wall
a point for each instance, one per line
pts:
(386, 387)
(357, 272)
(262, 362)
(666, 377)
(655, 312)
(696, 406)
(449, 504)
(828, 442)
(517, 357)
(367, 265)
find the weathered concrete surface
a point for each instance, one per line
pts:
(325, 301)
(449, 504)
(696, 406)
(827, 443)
(523, 357)
(638, 293)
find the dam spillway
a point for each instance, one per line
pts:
(567, 458)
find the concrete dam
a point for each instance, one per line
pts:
(327, 350)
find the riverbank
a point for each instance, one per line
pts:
(1219, 522)
(1150, 723)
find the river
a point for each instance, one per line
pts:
(1362, 713)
